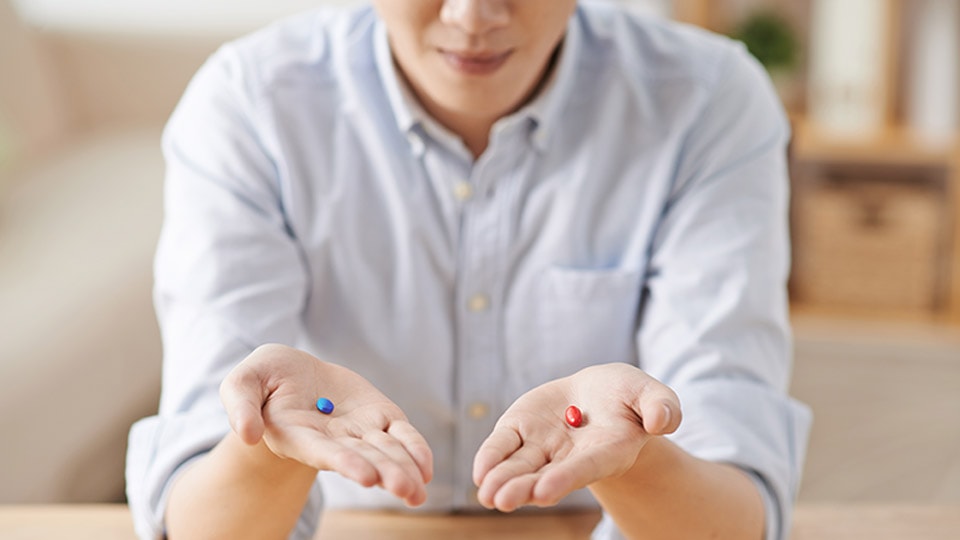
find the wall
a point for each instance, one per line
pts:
(229, 17)
(161, 16)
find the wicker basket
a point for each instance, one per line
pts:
(870, 244)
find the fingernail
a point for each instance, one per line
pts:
(666, 416)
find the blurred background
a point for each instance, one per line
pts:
(871, 87)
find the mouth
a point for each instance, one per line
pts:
(475, 63)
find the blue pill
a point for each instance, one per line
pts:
(324, 405)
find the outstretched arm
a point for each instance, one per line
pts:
(238, 491)
(254, 483)
(649, 486)
(668, 493)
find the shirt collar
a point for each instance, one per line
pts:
(412, 119)
(406, 109)
(546, 108)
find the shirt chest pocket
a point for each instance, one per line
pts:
(568, 319)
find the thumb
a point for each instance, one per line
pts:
(659, 409)
(242, 394)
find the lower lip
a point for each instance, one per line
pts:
(475, 66)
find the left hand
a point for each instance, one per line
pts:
(533, 457)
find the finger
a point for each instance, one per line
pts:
(560, 478)
(526, 460)
(392, 475)
(416, 446)
(499, 446)
(659, 407)
(404, 480)
(516, 492)
(242, 394)
(326, 454)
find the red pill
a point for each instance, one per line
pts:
(574, 416)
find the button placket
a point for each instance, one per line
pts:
(478, 366)
(482, 262)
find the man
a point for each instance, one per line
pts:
(454, 219)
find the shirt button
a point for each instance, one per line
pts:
(463, 191)
(478, 302)
(540, 137)
(478, 410)
(416, 143)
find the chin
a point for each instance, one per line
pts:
(481, 105)
(479, 99)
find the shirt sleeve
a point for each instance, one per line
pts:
(714, 322)
(229, 276)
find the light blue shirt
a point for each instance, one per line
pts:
(635, 211)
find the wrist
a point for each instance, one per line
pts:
(668, 493)
(259, 459)
(653, 465)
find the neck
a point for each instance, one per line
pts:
(474, 129)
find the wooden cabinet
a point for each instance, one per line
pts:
(873, 217)
(873, 224)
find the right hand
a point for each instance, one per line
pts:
(271, 396)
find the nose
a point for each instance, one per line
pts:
(475, 16)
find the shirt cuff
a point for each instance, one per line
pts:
(755, 427)
(771, 510)
(159, 448)
(608, 530)
(163, 447)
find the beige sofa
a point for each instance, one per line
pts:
(80, 210)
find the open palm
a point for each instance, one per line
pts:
(534, 457)
(271, 395)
